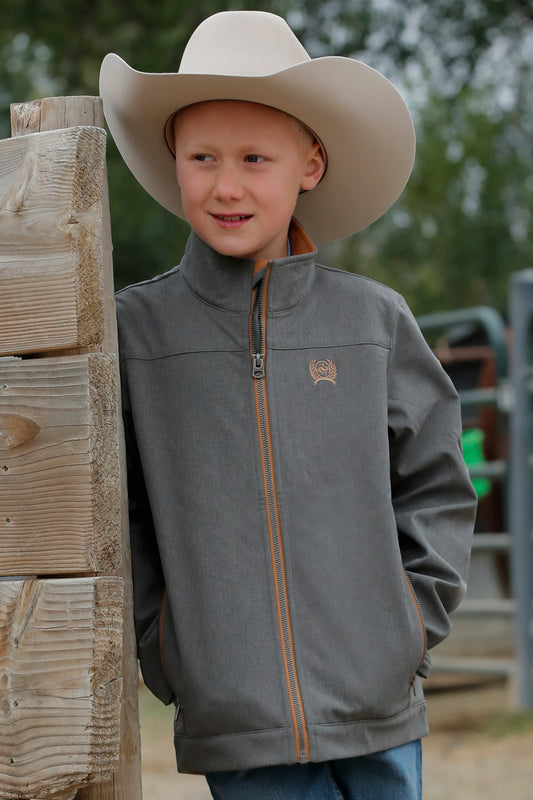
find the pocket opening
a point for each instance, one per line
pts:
(420, 618)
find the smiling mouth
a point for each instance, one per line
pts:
(231, 220)
(231, 217)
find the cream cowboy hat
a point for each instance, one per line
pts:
(357, 115)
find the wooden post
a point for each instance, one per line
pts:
(80, 334)
(56, 712)
(51, 244)
(59, 466)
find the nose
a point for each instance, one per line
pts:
(228, 186)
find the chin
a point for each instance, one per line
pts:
(232, 251)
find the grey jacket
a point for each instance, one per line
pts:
(300, 511)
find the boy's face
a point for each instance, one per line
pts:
(240, 167)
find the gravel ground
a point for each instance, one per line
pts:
(477, 750)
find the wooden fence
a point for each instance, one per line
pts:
(68, 671)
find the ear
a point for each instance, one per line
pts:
(315, 167)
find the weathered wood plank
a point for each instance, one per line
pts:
(125, 783)
(59, 465)
(60, 684)
(51, 113)
(52, 187)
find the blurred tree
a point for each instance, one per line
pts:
(55, 47)
(464, 221)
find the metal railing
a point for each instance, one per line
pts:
(512, 397)
(521, 485)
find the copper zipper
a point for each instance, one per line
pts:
(257, 332)
(420, 616)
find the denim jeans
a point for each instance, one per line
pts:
(394, 774)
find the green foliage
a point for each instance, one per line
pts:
(464, 221)
(463, 224)
(502, 725)
(55, 47)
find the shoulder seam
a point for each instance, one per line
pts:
(155, 279)
(357, 275)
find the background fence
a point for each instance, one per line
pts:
(491, 364)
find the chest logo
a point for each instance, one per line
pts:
(323, 371)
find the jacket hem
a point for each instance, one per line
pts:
(273, 747)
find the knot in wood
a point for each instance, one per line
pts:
(16, 430)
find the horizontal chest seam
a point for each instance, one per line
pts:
(183, 353)
(271, 347)
(333, 346)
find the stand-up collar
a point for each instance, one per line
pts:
(227, 282)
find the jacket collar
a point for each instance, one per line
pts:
(227, 282)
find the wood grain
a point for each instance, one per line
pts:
(60, 684)
(59, 466)
(51, 113)
(37, 117)
(51, 247)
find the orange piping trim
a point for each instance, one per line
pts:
(284, 588)
(282, 555)
(273, 562)
(421, 621)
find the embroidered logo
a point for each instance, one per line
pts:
(323, 371)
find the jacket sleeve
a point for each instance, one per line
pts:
(433, 498)
(148, 579)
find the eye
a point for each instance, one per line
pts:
(202, 157)
(253, 158)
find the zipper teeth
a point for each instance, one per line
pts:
(420, 615)
(280, 579)
(255, 323)
(257, 326)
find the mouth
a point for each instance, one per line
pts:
(231, 220)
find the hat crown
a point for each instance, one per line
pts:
(244, 43)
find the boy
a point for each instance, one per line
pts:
(300, 511)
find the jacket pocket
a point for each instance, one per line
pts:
(150, 650)
(424, 664)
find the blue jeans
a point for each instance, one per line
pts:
(394, 774)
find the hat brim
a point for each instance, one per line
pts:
(358, 115)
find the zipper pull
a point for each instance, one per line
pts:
(258, 365)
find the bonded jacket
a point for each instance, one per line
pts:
(300, 511)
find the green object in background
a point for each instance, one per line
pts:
(473, 455)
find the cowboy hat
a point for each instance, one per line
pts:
(354, 111)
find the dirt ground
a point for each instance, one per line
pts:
(477, 750)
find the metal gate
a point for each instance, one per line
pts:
(497, 409)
